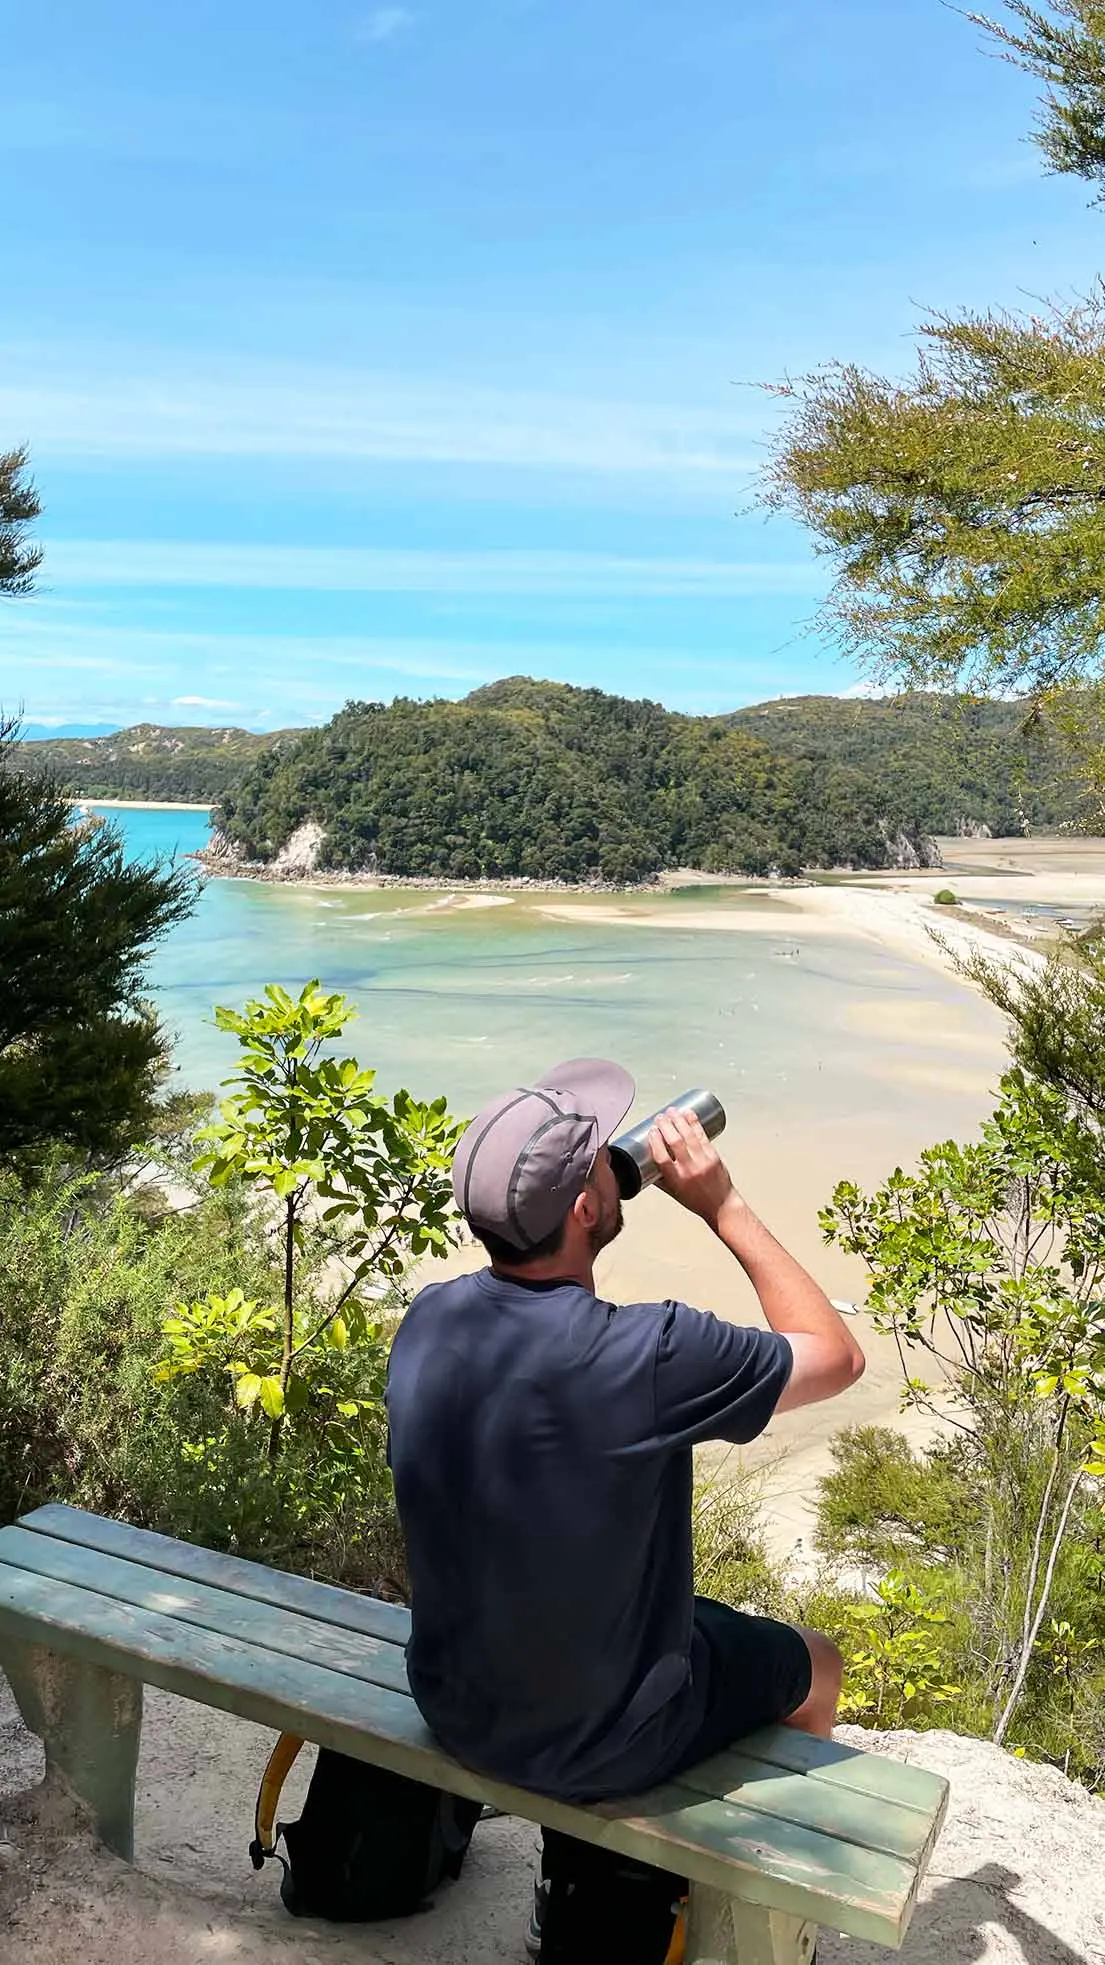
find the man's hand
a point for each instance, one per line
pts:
(692, 1170)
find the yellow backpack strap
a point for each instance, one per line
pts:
(281, 1761)
(678, 1947)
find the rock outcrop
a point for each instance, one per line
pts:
(300, 854)
(910, 852)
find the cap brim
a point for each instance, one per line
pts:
(597, 1086)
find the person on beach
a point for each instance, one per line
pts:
(541, 1445)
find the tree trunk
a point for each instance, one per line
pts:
(288, 1347)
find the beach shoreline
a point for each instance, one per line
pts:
(140, 805)
(898, 912)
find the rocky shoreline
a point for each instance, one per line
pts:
(297, 864)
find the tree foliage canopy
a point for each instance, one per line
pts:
(81, 1053)
(1065, 46)
(963, 510)
(543, 781)
(19, 507)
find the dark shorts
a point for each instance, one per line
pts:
(757, 1671)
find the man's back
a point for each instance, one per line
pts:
(540, 1441)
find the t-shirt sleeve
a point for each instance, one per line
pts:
(716, 1381)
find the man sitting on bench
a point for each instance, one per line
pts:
(541, 1446)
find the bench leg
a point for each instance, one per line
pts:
(721, 1931)
(89, 1721)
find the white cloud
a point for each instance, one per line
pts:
(203, 703)
(72, 404)
(344, 569)
(139, 653)
(384, 23)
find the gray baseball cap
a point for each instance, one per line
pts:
(523, 1160)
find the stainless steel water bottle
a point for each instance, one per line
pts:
(634, 1166)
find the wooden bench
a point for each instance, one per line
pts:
(784, 1834)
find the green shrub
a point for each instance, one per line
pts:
(883, 1501)
(945, 898)
(731, 1562)
(87, 1278)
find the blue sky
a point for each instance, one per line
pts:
(377, 350)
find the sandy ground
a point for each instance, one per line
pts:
(1018, 1875)
(144, 804)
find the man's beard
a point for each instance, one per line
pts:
(607, 1228)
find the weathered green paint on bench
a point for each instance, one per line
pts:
(323, 1601)
(828, 1760)
(830, 1840)
(714, 1842)
(286, 1631)
(887, 1826)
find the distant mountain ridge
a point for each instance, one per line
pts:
(536, 780)
(31, 733)
(151, 760)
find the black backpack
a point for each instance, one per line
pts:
(369, 1844)
(604, 1909)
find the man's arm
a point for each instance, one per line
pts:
(827, 1358)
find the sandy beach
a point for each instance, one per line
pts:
(142, 805)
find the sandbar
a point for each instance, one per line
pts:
(142, 804)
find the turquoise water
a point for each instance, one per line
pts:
(463, 1000)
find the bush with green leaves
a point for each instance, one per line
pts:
(896, 1666)
(88, 1274)
(988, 1263)
(884, 1501)
(353, 1187)
(214, 1366)
(731, 1562)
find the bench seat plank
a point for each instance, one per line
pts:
(213, 1610)
(869, 1821)
(388, 1621)
(754, 1857)
(830, 1760)
(834, 1809)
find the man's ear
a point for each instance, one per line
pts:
(585, 1208)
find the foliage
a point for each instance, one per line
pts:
(883, 1501)
(81, 1053)
(1056, 1016)
(150, 760)
(612, 789)
(19, 507)
(87, 1274)
(989, 1262)
(944, 897)
(961, 509)
(350, 1179)
(731, 1562)
(545, 782)
(941, 762)
(1064, 44)
(896, 1670)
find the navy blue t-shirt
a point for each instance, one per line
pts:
(541, 1445)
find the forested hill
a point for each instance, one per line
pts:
(543, 781)
(951, 758)
(150, 761)
(539, 780)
